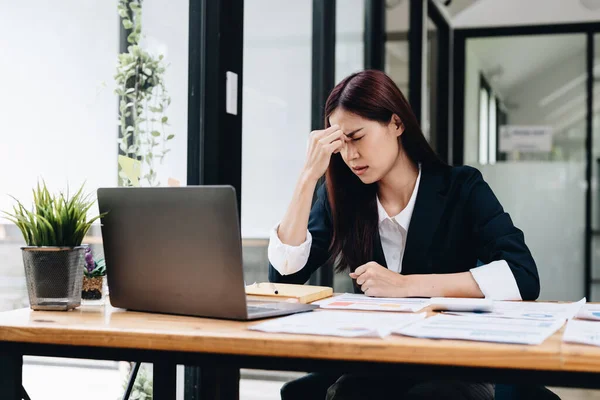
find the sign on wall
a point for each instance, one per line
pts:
(525, 138)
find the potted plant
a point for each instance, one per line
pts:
(53, 231)
(94, 272)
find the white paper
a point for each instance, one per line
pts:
(538, 311)
(483, 329)
(584, 332)
(590, 312)
(461, 304)
(335, 323)
(349, 301)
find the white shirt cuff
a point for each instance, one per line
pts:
(497, 281)
(288, 259)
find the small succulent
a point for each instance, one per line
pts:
(93, 268)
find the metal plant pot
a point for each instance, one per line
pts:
(54, 276)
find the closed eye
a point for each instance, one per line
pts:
(357, 139)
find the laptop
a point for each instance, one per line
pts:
(177, 250)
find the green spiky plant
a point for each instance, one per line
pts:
(55, 220)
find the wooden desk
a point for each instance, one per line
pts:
(166, 340)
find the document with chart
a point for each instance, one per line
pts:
(535, 310)
(590, 312)
(483, 329)
(336, 323)
(350, 301)
(584, 332)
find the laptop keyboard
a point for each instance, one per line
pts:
(257, 309)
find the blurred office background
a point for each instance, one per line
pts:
(478, 74)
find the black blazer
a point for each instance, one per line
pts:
(457, 224)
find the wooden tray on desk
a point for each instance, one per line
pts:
(287, 292)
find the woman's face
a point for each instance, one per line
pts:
(370, 148)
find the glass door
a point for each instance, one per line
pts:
(525, 129)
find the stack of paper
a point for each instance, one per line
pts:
(333, 323)
(461, 304)
(349, 301)
(483, 329)
(539, 311)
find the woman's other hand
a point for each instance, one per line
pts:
(378, 281)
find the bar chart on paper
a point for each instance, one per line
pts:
(349, 301)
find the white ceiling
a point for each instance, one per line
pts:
(487, 13)
(397, 12)
(520, 57)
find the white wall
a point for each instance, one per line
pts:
(276, 108)
(57, 120)
(545, 200)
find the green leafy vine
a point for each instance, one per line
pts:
(143, 100)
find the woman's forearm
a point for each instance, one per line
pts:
(292, 230)
(460, 284)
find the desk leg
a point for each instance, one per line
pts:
(165, 381)
(11, 377)
(216, 383)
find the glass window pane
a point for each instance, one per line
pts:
(431, 94)
(483, 126)
(166, 33)
(596, 173)
(492, 129)
(349, 38)
(276, 120)
(59, 124)
(61, 129)
(396, 45)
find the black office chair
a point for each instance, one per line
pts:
(524, 392)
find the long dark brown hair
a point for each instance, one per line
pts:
(372, 95)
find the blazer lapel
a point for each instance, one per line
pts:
(426, 216)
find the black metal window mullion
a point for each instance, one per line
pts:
(215, 136)
(443, 125)
(415, 55)
(375, 35)
(323, 80)
(216, 33)
(458, 121)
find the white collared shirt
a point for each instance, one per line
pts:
(495, 279)
(393, 230)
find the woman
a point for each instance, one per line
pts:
(398, 220)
